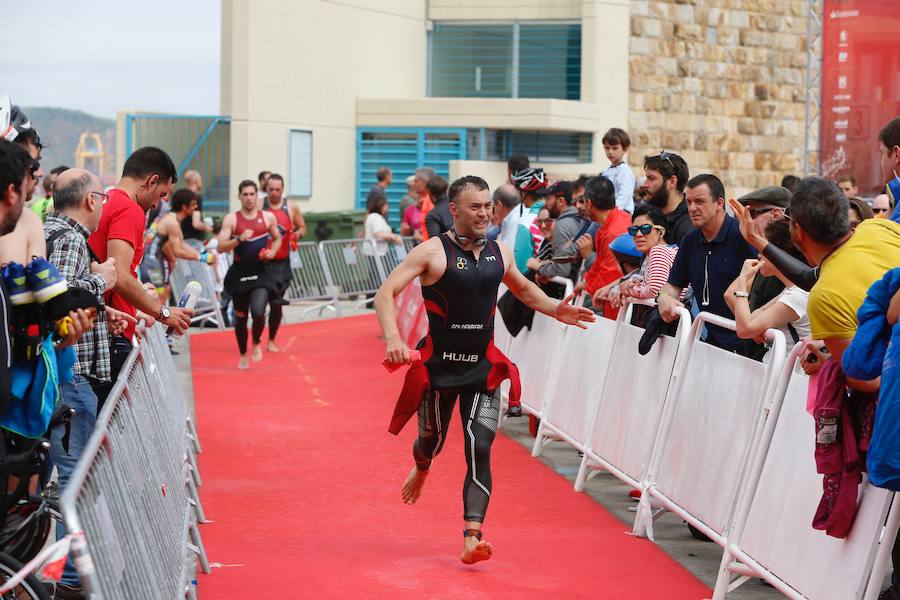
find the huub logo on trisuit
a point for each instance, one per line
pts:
(453, 356)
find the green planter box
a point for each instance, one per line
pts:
(334, 225)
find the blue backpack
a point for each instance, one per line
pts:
(35, 390)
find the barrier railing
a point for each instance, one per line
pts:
(312, 278)
(623, 427)
(207, 307)
(718, 402)
(354, 266)
(722, 441)
(781, 486)
(133, 494)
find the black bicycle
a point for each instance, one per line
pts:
(26, 517)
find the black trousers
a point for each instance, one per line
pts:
(480, 415)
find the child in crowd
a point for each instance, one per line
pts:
(615, 144)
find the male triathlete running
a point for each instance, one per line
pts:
(249, 282)
(292, 227)
(460, 272)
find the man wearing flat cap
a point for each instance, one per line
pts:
(766, 205)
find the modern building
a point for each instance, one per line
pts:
(326, 92)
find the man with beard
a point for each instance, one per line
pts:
(17, 181)
(665, 177)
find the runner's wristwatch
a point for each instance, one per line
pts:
(164, 313)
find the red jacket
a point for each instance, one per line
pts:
(606, 268)
(843, 429)
(418, 381)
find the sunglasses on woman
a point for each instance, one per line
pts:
(646, 228)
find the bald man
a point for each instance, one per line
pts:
(194, 229)
(881, 206)
(512, 232)
(78, 202)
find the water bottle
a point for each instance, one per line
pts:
(188, 298)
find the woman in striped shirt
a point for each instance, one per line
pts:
(648, 228)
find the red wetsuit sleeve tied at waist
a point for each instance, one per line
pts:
(418, 382)
(458, 353)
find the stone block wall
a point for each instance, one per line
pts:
(722, 83)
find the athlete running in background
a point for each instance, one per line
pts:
(292, 227)
(460, 272)
(249, 282)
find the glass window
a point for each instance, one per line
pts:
(527, 60)
(300, 174)
(472, 60)
(550, 61)
(541, 146)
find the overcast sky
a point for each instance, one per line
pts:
(101, 56)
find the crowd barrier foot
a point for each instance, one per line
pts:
(198, 548)
(362, 303)
(194, 499)
(586, 472)
(192, 466)
(322, 307)
(193, 437)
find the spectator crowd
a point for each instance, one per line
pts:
(85, 264)
(803, 257)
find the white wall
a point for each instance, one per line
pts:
(302, 65)
(330, 67)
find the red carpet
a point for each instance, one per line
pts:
(302, 481)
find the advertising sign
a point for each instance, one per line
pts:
(860, 86)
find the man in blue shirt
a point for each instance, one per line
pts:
(709, 258)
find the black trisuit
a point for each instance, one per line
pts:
(461, 362)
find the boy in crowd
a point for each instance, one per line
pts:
(615, 144)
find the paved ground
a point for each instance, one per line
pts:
(700, 558)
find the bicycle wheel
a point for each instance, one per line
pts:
(31, 586)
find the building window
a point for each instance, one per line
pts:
(540, 146)
(514, 60)
(300, 171)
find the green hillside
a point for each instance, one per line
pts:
(60, 129)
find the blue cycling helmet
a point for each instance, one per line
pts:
(625, 250)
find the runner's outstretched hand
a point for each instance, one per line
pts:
(573, 315)
(397, 351)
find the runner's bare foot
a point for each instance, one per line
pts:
(412, 487)
(272, 347)
(475, 550)
(257, 354)
(243, 363)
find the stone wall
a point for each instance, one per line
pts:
(722, 83)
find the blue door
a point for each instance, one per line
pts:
(403, 150)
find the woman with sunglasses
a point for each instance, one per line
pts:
(648, 228)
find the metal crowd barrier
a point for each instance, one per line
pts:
(395, 254)
(207, 308)
(723, 442)
(312, 278)
(133, 494)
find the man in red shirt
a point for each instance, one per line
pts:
(148, 175)
(601, 208)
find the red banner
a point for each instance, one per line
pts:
(860, 86)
